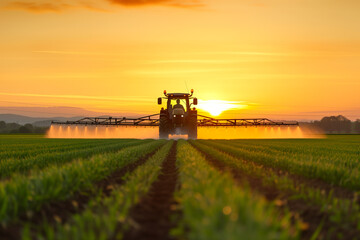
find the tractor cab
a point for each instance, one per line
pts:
(178, 116)
(179, 104)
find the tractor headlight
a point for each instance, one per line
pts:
(174, 115)
(182, 115)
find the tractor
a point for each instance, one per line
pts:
(177, 119)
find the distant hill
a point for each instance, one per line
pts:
(46, 121)
(39, 122)
(49, 112)
(42, 116)
(66, 112)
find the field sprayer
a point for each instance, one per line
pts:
(176, 119)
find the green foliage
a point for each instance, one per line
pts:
(214, 208)
(35, 171)
(58, 156)
(342, 211)
(22, 193)
(103, 214)
(334, 160)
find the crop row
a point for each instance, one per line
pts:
(28, 143)
(214, 208)
(339, 170)
(329, 146)
(104, 214)
(18, 151)
(343, 213)
(24, 194)
(10, 167)
(309, 147)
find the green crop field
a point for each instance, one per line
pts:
(185, 189)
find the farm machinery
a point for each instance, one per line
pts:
(180, 117)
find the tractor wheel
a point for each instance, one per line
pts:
(192, 128)
(164, 128)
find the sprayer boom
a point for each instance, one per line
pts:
(124, 121)
(202, 121)
(213, 122)
(180, 117)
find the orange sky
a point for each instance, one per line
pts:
(297, 59)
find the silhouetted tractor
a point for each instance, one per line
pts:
(179, 117)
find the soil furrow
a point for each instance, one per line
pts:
(151, 218)
(62, 210)
(309, 213)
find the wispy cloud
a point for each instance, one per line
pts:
(68, 53)
(191, 61)
(174, 3)
(44, 6)
(39, 7)
(246, 53)
(182, 71)
(100, 98)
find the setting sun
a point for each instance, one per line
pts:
(216, 107)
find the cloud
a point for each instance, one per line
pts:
(100, 98)
(192, 61)
(173, 3)
(39, 7)
(43, 6)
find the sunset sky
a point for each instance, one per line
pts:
(283, 59)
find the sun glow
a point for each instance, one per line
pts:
(216, 107)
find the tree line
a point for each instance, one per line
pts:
(18, 128)
(338, 125)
